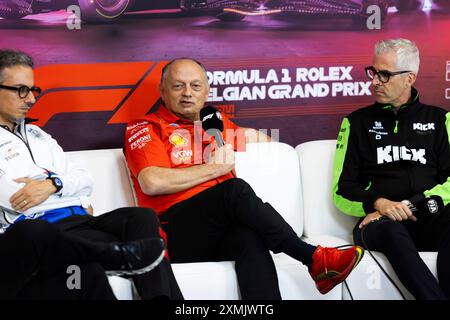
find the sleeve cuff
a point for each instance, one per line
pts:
(417, 199)
(369, 203)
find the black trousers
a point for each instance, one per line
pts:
(34, 260)
(229, 222)
(128, 224)
(400, 243)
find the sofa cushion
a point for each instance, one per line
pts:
(316, 170)
(272, 170)
(112, 189)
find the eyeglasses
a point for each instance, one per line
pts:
(383, 75)
(23, 91)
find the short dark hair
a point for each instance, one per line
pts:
(10, 58)
(166, 68)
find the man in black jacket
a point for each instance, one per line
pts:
(392, 169)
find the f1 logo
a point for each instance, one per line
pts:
(127, 90)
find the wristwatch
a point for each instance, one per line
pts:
(57, 183)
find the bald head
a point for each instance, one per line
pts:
(167, 67)
(184, 88)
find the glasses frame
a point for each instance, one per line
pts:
(36, 90)
(388, 73)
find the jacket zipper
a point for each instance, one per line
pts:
(25, 142)
(409, 172)
(396, 127)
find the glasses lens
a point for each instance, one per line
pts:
(384, 76)
(370, 73)
(24, 91)
(37, 91)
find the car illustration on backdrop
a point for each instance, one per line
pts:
(91, 10)
(232, 10)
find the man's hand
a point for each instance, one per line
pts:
(32, 194)
(370, 218)
(223, 158)
(253, 135)
(396, 211)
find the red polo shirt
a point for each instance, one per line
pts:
(162, 139)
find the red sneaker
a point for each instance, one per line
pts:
(331, 266)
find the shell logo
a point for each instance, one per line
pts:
(178, 140)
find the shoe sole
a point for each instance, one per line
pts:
(358, 256)
(148, 268)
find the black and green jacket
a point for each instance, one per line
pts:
(380, 154)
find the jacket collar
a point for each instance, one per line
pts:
(169, 117)
(406, 107)
(15, 129)
(21, 124)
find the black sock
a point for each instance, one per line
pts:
(296, 248)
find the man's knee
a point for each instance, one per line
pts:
(146, 215)
(34, 230)
(238, 184)
(388, 233)
(140, 214)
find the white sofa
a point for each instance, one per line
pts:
(297, 182)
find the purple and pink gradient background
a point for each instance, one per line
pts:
(256, 42)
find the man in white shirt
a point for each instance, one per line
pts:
(38, 183)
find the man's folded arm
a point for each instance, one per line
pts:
(158, 180)
(9, 187)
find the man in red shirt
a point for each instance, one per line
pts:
(207, 213)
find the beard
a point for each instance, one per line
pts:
(21, 118)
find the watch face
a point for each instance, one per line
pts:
(58, 182)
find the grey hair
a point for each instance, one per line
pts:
(408, 58)
(165, 70)
(11, 58)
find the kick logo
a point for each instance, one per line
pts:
(423, 126)
(390, 154)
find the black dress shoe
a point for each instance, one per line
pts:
(136, 257)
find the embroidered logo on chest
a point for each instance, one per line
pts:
(178, 140)
(378, 130)
(423, 127)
